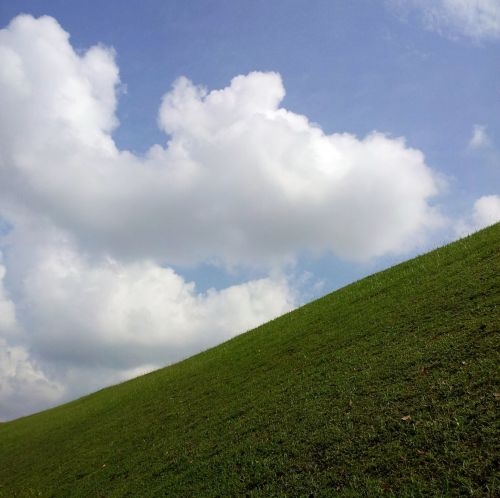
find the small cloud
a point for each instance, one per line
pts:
(479, 138)
(476, 19)
(486, 212)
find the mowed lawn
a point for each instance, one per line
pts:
(387, 387)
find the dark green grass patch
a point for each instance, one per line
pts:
(383, 388)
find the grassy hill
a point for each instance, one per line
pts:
(385, 387)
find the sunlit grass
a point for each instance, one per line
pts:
(385, 387)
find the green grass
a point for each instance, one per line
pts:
(310, 404)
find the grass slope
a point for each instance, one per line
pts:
(310, 404)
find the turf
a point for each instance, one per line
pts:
(383, 388)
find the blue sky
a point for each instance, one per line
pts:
(426, 71)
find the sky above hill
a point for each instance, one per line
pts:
(175, 173)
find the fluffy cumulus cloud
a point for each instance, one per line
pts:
(485, 212)
(241, 179)
(239, 182)
(476, 19)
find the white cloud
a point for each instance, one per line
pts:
(479, 138)
(95, 230)
(242, 180)
(486, 212)
(90, 321)
(477, 19)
